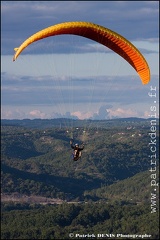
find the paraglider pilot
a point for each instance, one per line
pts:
(77, 151)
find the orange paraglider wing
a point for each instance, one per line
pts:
(100, 34)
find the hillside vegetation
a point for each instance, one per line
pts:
(46, 195)
(39, 162)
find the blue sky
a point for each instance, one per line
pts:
(70, 76)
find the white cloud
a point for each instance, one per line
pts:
(82, 115)
(37, 114)
(124, 113)
(103, 113)
(12, 113)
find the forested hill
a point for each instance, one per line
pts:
(42, 158)
(136, 189)
(63, 122)
(45, 195)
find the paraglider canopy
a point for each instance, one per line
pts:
(100, 34)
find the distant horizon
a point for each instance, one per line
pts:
(87, 119)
